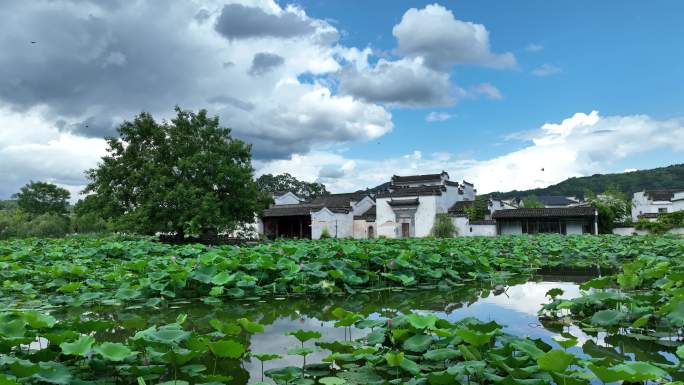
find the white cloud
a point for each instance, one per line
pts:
(31, 149)
(435, 116)
(486, 89)
(405, 82)
(98, 63)
(532, 47)
(583, 144)
(546, 70)
(442, 40)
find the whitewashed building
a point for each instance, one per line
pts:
(649, 203)
(293, 217)
(410, 204)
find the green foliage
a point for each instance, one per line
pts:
(90, 223)
(663, 224)
(629, 182)
(478, 209)
(612, 206)
(184, 176)
(37, 198)
(325, 233)
(443, 227)
(18, 224)
(531, 202)
(269, 183)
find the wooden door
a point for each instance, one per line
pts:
(405, 230)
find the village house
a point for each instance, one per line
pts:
(410, 204)
(544, 220)
(649, 203)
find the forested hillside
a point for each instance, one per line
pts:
(627, 182)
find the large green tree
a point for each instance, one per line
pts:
(269, 183)
(37, 198)
(185, 176)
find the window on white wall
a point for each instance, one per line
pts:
(662, 209)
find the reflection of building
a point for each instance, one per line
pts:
(564, 220)
(649, 203)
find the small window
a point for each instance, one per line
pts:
(662, 209)
(471, 229)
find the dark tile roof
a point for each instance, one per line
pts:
(418, 178)
(290, 210)
(583, 211)
(460, 207)
(555, 200)
(413, 191)
(484, 222)
(403, 202)
(661, 195)
(648, 215)
(369, 215)
(337, 200)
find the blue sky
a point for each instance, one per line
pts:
(349, 93)
(620, 58)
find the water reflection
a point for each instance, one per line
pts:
(513, 305)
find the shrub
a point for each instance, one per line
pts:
(325, 234)
(46, 226)
(12, 223)
(90, 223)
(443, 227)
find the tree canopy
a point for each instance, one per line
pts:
(269, 183)
(612, 206)
(531, 202)
(184, 176)
(37, 198)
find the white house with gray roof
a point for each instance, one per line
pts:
(649, 203)
(410, 204)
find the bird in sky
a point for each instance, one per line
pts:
(542, 169)
(33, 42)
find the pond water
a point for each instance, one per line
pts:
(515, 306)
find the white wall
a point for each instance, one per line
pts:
(573, 228)
(513, 228)
(385, 218)
(339, 225)
(362, 206)
(461, 224)
(287, 199)
(425, 215)
(628, 231)
(642, 205)
(482, 231)
(361, 229)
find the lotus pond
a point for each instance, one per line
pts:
(419, 311)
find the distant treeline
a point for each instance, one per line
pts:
(628, 183)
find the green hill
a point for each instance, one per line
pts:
(628, 182)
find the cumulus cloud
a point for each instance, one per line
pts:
(97, 64)
(404, 82)
(546, 70)
(33, 149)
(264, 62)
(435, 116)
(442, 40)
(583, 144)
(238, 21)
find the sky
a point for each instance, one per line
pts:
(507, 95)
